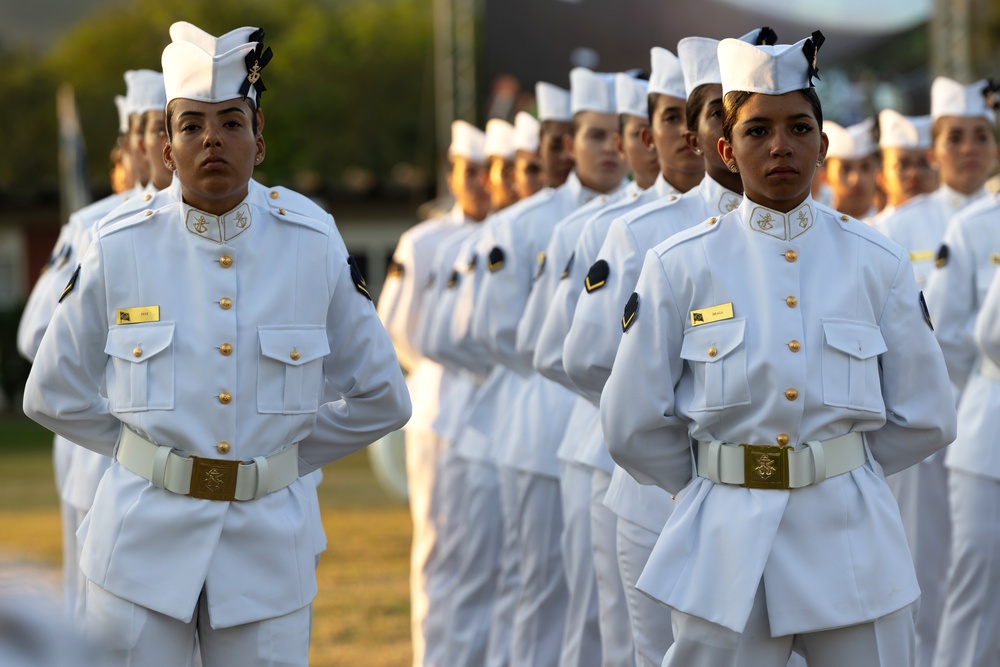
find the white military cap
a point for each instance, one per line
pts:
(121, 103)
(699, 56)
(899, 131)
(192, 73)
(467, 141)
(950, 98)
(631, 95)
(499, 139)
(850, 143)
(553, 102)
(668, 76)
(526, 132)
(591, 91)
(771, 70)
(145, 91)
(182, 31)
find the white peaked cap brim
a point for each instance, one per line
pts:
(527, 132)
(145, 91)
(771, 70)
(899, 131)
(182, 31)
(631, 96)
(591, 91)
(667, 76)
(553, 102)
(190, 72)
(121, 103)
(467, 141)
(499, 139)
(850, 143)
(950, 98)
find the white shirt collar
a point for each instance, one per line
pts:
(954, 201)
(783, 226)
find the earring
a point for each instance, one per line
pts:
(697, 151)
(170, 165)
(733, 168)
(256, 160)
(819, 162)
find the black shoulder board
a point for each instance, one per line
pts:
(597, 276)
(395, 269)
(569, 266)
(452, 280)
(631, 310)
(541, 266)
(495, 262)
(927, 314)
(357, 278)
(71, 285)
(942, 256)
(473, 262)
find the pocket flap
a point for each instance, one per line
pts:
(139, 342)
(858, 339)
(712, 342)
(293, 345)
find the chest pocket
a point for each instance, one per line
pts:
(290, 369)
(142, 358)
(850, 365)
(717, 356)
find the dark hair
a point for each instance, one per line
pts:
(651, 101)
(736, 99)
(696, 102)
(173, 102)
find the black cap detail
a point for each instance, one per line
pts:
(357, 278)
(597, 276)
(71, 285)
(991, 91)
(811, 51)
(569, 266)
(395, 270)
(496, 259)
(927, 314)
(766, 37)
(256, 61)
(631, 310)
(942, 256)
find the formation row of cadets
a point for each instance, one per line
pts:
(511, 461)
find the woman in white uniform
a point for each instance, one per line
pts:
(774, 361)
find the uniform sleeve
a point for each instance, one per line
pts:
(919, 404)
(433, 305)
(951, 299)
(399, 314)
(453, 344)
(592, 341)
(988, 322)
(63, 392)
(363, 371)
(540, 298)
(641, 428)
(45, 294)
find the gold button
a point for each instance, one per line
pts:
(147, 197)
(295, 355)
(672, 198)
(137, 352)
(782, 439)
(791, 302)
(225, 261)
(791, 255)
(225, 397)
(274, 195)
(226, 303)
(712, 221)
(712, 351)
(223, 447)
(226, 349)
(794, 345)
(845, 218)
(791, 394)
(281, 211)
(148, 213)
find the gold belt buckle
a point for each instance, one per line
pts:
(213, 479)
(765, 466)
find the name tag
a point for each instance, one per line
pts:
(921, 255)
(137, 315)
(995, 258)
(724, 311)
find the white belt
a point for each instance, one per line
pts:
(989, 370)
(211, 479)
(774, 467)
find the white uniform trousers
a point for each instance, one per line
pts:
(922, 493)
(423, 452)
(134, 635)
(970, 625)
(478, 567)
(617, 647)
(885, 642)
(74, 582)
(582, 638)
(649, 620)
(442, 570)
(540, 617)
(509, 580)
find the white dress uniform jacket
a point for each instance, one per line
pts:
(805, 355)
(988, 322)
(172, 379)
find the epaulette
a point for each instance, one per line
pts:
(859, 228)
(311, 221)
(138, 217)
(651, 207)
(697, 231)
(289, 200)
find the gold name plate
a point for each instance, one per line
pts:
(137, 315)
(723, 311)
(921, 255)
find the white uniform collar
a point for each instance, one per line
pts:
(717, 196)
(954, 201)
(633, 189)
(783, 226)
(218, 228)
(663, 187)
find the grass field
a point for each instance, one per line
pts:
(361, 616)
